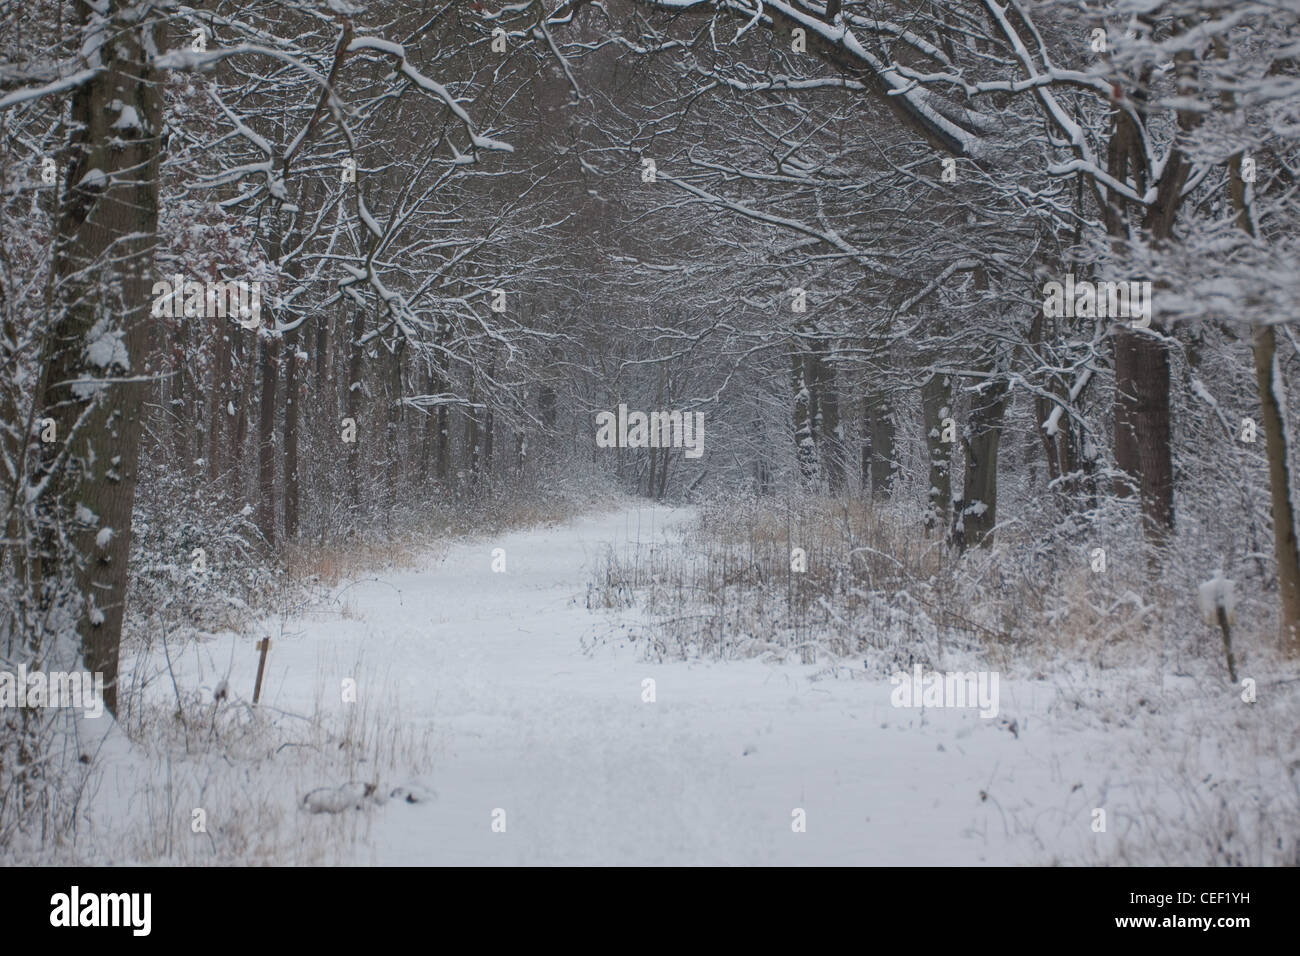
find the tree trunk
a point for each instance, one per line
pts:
(804, 412)
(269, 345)
(94, 360)
(441, 386)
(1142, 427)
(471, 431)
(1269, 380)
(884, 469)
(444, 443)
(865, 465)
(322, 347)
(393, 427)
(239, 436)
(356, 354)
(489, 423)
(292, 400)
(654, 452)
(830, 436)
(223, 398)
(1272, 400)
(654, 472)
(546, 401)
(762, 464)
(182, 400)
(427, 428)
(1143, 439)
(936, 405)
(983, 431)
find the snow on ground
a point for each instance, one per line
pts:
(523, 720)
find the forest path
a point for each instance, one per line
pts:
(523, 719)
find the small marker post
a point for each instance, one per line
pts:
(263, 645)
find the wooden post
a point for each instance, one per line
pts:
(263, 645)
(1222, 614)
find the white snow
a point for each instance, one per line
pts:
(1201, 392)
(94, 179)
(105, 347)
(127, 119)
(349, 796)
(1217, 591)
(525, 720)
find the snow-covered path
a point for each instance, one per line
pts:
(524, 721)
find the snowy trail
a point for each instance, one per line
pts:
(588, 773)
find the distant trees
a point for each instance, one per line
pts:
(1140, 114)
(472, 230)
(269, 164)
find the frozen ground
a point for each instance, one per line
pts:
(522, 719)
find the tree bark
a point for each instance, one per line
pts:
(182, 396)
(665, 456)
(94, 359)
(222, 402)
(654, 452)
(804, 412)
(239, 436)
(472, 432)
(269, 345)
(884, 469)
(1142, 427)
(979, 512)
(1272, 397)
(393, 426)
(428, 427)
(546, 404)
(442, 384)
(1268, 380)
(828, 430)
(352, 403)
(1143, 435)
(292, 400)
(936, 405)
